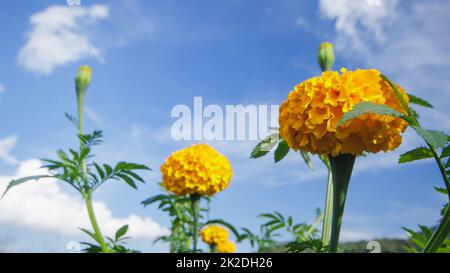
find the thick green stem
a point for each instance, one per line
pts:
(96, 228)
(439, 235)
(328, 213)
(341, 167)
(195, 206)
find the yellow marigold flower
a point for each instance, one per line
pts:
(198, 169)
(309, 117)
(214, 235)
(226, 247)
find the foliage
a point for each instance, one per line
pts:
(116, 244)
(272, 229)
(182, 219)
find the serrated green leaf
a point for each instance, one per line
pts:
(91, 234)
(446, 152)
(128, 180)
(435, 139)
(265, 146)
(22, 180)
(121, 232)
(154, 199)
(441, 190)
(368, 107)
(419, 101)
(307, 159)
(281, 151)
(416, 154)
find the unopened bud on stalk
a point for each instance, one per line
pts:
(83, 78)
(326, 56)
(82, 82)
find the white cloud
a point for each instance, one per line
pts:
(353, 16)
(58, 37)
(43, 205)
(2, 88)
(6, 145)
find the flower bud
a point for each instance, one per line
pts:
(326, 56)
(83, 78)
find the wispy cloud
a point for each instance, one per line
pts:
(6, 145)
(2, 88)
(45, 206)
(59, 36)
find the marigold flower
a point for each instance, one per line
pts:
(198, 169)
(214, 235)
(309, 117)
(226, 247)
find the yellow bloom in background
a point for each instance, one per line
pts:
(309, 117)
(198, 169)
(214, 235)
(226, 247)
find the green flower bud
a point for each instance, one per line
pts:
(83, 78)
(326, 56)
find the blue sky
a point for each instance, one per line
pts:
(149, 56)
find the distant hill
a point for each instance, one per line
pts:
(387, 245)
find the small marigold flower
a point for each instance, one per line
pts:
(226, 247)
(309, 117)
(198, 169)
(214, 235)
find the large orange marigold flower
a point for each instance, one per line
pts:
(198, 169)
(309, 117)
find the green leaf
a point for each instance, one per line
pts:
(307, 159)
(154, 199)
(265, 146)
(435, 139)
(17, 182)
(446, 152)
(369, 107)
(416, 100)
(91, 234)
(416, 154)
(128, 180)
(121, 232)
(281, 151)
(441, 190)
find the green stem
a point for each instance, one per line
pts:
(441, 169)
(341, 167)
(439, 235)
(80, 103)
(97, 232)
(195, 206)
(328, 213)
(443, 230)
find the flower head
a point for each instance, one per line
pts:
(83, 78)
(214, 235)
(309, 117)
(226, 247)
(198, 169)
